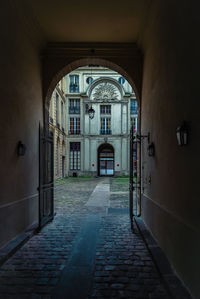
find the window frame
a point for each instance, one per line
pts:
(105, 126)
(75, 156)
(73, 83)
(105, 109)
(74, 106)
(133, 106)
(74, 125)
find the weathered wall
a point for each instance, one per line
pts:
(20, 113)
(170, 94)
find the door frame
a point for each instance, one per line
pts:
(103, 145)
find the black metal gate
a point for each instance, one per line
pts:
(134, 176)
(46, 176)
(131, 175)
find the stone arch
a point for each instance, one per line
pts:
(104, 145)
(82, 62)
(61, 59)
(102, 80)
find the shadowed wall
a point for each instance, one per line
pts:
(170, 204)
(21, 112)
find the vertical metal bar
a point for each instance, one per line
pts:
(135, 177)
(139, 179)
(139, 173)
(40, 175)
(52, 175)
(131, 176)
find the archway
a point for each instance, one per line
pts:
(61, 59)
(105, 160)
(58, 64)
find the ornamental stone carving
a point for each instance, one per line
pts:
(105, 91)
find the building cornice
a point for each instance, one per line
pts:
(61, 93)
(97, 136)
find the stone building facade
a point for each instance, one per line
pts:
(98, 146)
(57, 125)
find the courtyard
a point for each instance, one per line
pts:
(87, 251)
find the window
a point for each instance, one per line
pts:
(57, 109)
(121, 80)
(74, 155)
(134, 123)
(134, 107)
(74, 126)
(105, 109)
(105, 126)
(73, 83)
(89, 80)
(74, 106)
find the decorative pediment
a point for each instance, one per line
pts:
(105, 92)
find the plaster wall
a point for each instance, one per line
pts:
(116, 118)
(86, 124)
(93, 159)
(20, 114)
(170, 92)
(87, 154)
(124, 145)
(124, 119)
(94, 123)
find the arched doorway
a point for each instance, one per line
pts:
(59, 61)
(106, 160)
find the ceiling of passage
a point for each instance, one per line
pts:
(90, 20)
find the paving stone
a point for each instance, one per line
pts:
(123, 267)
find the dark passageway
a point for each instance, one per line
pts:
(88, 251)
(152, 44)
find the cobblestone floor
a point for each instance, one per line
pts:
(122, 268)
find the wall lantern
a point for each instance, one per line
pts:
(151, 149)
(91, 112)
(182, 134)
(21, 149)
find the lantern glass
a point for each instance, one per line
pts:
(151, 149)
(184, 137)
(21, 149)
(91, 113)
(178, 135)
(182, 134)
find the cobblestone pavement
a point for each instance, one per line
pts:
(122, 267)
